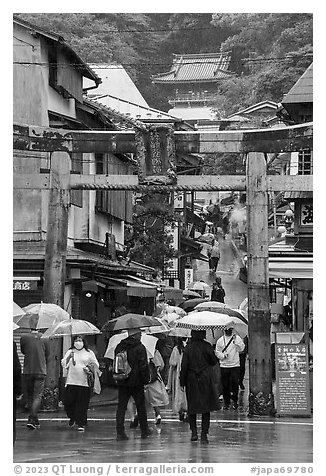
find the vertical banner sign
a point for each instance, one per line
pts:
(189, 275)
(292, 379)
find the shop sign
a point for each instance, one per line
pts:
(189, 277)
(23, 285)
(292, 379)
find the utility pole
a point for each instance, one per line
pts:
(260, 378)
(55, 262)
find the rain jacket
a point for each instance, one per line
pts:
(198, 376)
(137, 358)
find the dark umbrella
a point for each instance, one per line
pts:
(130, 321)
(191, 303)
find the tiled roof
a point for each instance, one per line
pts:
(198, 67)
(302, 91)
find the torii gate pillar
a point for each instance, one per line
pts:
(261, 401)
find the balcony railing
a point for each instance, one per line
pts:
(203, 96)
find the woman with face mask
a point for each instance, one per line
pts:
(77, 391)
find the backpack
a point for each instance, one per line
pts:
(121, 367)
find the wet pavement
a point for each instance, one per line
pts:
(234, 437)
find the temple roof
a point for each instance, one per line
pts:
(211, 67)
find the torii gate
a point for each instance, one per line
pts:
(155, 151)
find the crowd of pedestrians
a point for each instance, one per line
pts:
(188, 373)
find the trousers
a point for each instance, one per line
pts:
(34, 389)
(76, 401)
(124, 393)
(230, 384)
(205, 420)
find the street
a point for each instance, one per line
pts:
(234, 437)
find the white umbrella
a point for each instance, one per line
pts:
(180, 332)
(71, 327)
(15, 326)
(204, 320)
(176, 309)
(148, 341)
(163, 328)
(200, 286)
(170, 317)
(17, 310)
(42, 314)
(213, 320)
(215, 306)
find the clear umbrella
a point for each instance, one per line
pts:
(17, 310)
(71, 327)
(41, 315)
(148, 341)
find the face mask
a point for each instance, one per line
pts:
(78, 345)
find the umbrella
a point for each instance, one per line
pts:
(176, 309)
(130, 321)
(71, 327)
(180, 332)
(148, 341)
(204, 320)
(212, 320)
(17, 310)
(222, 308)
(201, 287)
(188, 293)
(15, 326)
(170, 317)
(42, 314)
(163, 328)
(191, 303)
(206, 238)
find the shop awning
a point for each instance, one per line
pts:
(133, 287)
(291, 267)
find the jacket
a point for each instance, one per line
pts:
(230, 357)
(36, 351)
(199, 376)
(137, 358)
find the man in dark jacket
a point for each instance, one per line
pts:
(218, 292)
(36, 352)
(199, 381)
(133, 385)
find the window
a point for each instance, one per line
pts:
(76, 196)
(305, 162)
(53, 67)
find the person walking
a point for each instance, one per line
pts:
(178, 397)
(77, 391)
(197, 366)
(227, 350)
(17, 387)
(213, 253)
(36, 353)
(243, 358)
(218, 292)
(133, 385)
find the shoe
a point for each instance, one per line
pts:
(71, 422)
(149, 432)
(194, 437)
(158, 420)
(122, 437)
(80, 428)
(36, 423)
(181, 416)
(204, 438)
(134, 422)
(31, 423)
(241, 386)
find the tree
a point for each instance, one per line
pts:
(148, 240)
